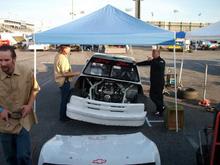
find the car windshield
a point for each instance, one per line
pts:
(112, 69)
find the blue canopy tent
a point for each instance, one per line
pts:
(211, 32)
(179, 35)
(109, 26)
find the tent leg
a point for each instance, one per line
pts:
(148, 122)
(174, 57)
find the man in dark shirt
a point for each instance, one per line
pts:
(157, 65)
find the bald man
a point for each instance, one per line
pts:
(157, 68)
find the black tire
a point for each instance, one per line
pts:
(180, 93)
(190, 94)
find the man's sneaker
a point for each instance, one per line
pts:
(164, 108)
(159, 114)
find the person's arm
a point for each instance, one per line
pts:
(146, 62)
(142, 63)
(70, 74)
(28, 108)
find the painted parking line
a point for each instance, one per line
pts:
(192, 142)
(45, 83)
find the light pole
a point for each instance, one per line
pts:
(175, 11)
(138, 8)
(200, 22)
(72, 13)
(152, 16)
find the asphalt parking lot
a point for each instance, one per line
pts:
(176, 148)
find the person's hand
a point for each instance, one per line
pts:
(150, 58)
(25, 110)
(4, 115)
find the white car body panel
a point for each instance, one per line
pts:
(99, 149)
(98, 112)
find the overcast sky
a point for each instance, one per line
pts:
(50, 13)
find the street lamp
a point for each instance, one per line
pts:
(152, 16)
(200, 19)
(175, 11)
(175, 24)
(137, 8)
(72, 13)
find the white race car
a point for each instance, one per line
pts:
(130, 149)
(108, 92)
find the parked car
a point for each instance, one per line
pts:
(75, 47)
(38, 47)
(207, 45)
(108, 92)
(94, 48)
(213, 45)
(179, 47)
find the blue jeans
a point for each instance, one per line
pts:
(17, 148)
(65, 89)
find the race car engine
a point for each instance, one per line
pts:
(111, 91)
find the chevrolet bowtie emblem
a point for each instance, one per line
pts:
(99, 161)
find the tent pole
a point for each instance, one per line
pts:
(175, 84)
(181, 70)
(180, 76)
(35, 74)
(131, 51)
(205, 81)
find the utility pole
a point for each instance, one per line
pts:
(137, 8)
(72, 12)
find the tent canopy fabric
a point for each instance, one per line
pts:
(108, 25)
(211, 32)
(179, 35)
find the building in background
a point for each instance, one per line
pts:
(14, 26)
(178, 26)
(14, 32)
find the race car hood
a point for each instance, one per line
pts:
(99, 149)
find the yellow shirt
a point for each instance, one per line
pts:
(15, 91)
(61, 65)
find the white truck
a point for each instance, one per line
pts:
(43, 47)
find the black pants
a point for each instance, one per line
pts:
(156, 95)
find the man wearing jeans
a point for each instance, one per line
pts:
(18, 89)
(63, 74)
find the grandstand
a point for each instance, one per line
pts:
(12, 26)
